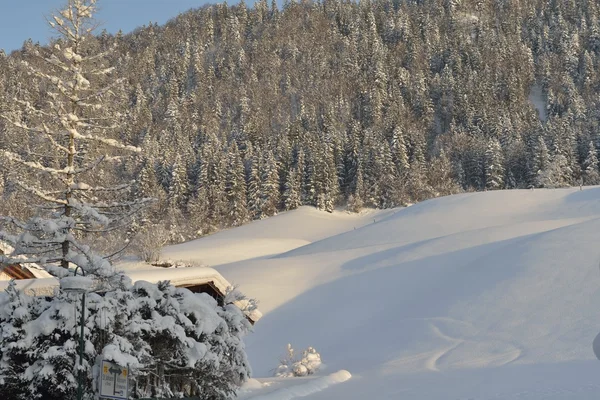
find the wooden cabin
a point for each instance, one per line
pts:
(15, 271)
(196, 279)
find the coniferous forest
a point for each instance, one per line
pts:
(242, 112)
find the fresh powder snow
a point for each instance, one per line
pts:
(490, 295)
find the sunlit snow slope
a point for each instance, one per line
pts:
(477, 296)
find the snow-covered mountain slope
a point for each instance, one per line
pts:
(270, 236)
(490, 295)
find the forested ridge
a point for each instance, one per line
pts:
(245, 111)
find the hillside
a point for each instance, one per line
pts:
(472, 296)
(242, 112)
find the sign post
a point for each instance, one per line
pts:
(114, 381)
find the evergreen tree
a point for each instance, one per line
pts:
(235, 188)
(355, 200)
(178, 190)
(75, 131)
(254, 187)
(541, 163)
(291, 194)
(494, 168)
(269, 193)
(591, 175)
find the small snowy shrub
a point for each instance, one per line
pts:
(290, 366)
(150, 241)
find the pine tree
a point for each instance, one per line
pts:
(355, 200)
(591, 175)
(269, 193)
(388, 179)
(235, 188)
(73, 127)
(541, 163)
(494, 168)
(178, 190)
(291, 194)
(254, 187)
(399, 152)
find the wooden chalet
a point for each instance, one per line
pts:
(196, 279)
(15, 271)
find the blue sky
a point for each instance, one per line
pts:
(23, 19)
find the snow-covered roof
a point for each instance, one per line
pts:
(180, 277)
(35, 270)
(190, 276)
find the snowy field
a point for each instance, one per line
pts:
(491, 295)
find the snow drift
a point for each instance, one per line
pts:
(475, 295)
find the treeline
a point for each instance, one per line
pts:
(242, 112)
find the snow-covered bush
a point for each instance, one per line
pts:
(150, 241)
(290, 366)
(176, 343)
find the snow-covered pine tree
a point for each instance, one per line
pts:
(269, 193)
(178, 189)
(254, 186)
(494, 166)
(355, 200)
(292, 188)
(197, 348)
(591, 175)
(399, 152)
(235, 188)
(389, 183)
(74, 132)
(541, 163)
(15, 312)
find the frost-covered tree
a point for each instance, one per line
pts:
(494, 169)
(269, 186)
(75, 136)
(292, 189)
(541, 163)
(235, 189)
(356, 198)
(177, 184)
(591, 175)
(254, 187)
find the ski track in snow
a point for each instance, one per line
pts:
(305, 389)
(457, 354)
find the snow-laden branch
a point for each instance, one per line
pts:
(109, 142)
(42, 195)
(100, 92)
(84, 187)
(125, 204)
(27, 106)
(34, 164)
(44, 131)
(96, 127)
